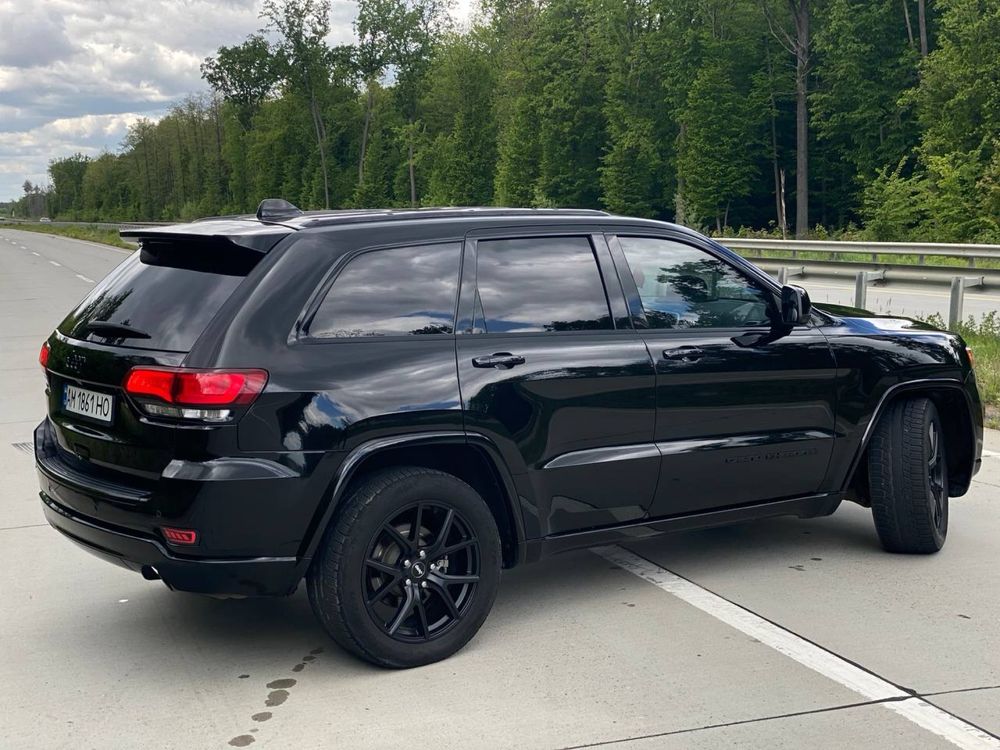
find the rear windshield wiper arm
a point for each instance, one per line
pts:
(115, 330)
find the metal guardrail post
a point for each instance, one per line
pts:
(861, 282)
(958, 287)
(786, 272)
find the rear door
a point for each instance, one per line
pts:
(744, 406)
(554, 374)
(148, 311)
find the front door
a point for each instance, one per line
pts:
(561, 385)
(744, 406)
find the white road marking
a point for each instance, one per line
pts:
(34, 253)
(84, 278)
(990, 454)
(54, 263)
(816, 658)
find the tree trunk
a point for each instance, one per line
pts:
(906, 17)
(321, 143)
(413, 179)
(180, 163)
(801, 14)
(680, 214)
(781, 206)
(779, 177)
(922, 23)
(369, 103)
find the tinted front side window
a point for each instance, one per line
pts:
(400, 291)
(683, 287)
(540, 284)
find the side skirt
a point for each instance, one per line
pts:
(811, 506)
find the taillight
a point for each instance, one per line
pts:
(181, 393)
(43, 355)
(972, 357)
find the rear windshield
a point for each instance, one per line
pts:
(162, 298)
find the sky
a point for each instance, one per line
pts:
(74, 74)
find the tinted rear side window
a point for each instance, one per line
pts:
(540, 284)
(166, 300)
(400, 291)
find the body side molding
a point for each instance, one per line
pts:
(672, 447)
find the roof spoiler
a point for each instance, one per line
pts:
(227, 234)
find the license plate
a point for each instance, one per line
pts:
(86, 403)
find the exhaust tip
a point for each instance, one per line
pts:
(150, 573)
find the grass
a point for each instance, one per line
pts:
(983, 338)
(91, 234)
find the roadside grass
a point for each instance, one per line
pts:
(983, 337)
(91, 234)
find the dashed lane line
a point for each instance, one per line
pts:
(84, 278)
(55, 263)
(922, 713)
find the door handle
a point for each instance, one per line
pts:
(499, 360)
(684, 353)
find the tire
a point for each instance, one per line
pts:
(375, 594)
(908, 478)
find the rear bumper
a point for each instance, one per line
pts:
(275, 576)
(251, 519)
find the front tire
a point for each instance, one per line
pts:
(908, 478)
(408, 572)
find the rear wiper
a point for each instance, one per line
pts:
(114, 330)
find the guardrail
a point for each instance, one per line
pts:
(971, 253)
(866, 273)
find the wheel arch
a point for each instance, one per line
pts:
(471, 458)
(955, 411)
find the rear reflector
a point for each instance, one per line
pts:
(180, 536)
(43, 355)
(185, 387)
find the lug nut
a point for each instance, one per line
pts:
(423, 554)
(423, 584)
(406, 563)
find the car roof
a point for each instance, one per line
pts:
(250, 231)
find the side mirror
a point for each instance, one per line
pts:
(795, 305)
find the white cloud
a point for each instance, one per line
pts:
(75, 73)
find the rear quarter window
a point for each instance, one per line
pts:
(399, 291)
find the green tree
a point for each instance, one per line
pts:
(714, 157)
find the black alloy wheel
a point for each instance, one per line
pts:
(408, 571)
(421, 572)
(937, 475)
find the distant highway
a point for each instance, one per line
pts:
(898, 299)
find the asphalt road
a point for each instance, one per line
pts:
(775, 634)
(909, 301)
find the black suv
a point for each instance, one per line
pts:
(394, 405)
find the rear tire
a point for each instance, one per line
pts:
(408, 572)
(908, 478)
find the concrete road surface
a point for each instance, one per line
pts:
(775, 634)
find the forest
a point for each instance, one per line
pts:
(877, 119)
